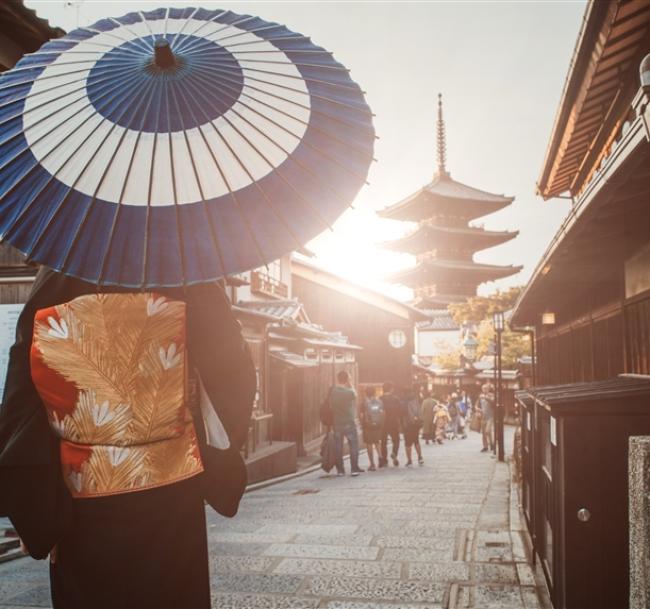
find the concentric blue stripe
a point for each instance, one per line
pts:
(41, 216)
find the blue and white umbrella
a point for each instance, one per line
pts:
(176, 146)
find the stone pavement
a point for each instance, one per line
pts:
(442, 535)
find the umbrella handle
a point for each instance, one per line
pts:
(163, 56)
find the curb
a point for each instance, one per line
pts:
(303, 472)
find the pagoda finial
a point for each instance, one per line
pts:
(441, 143)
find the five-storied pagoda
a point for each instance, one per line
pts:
(444, 243)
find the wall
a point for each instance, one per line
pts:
(365, 325)
(431, 343)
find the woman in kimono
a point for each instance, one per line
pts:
(123, 411)
(428, 405)
(441, 420)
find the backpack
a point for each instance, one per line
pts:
(326, 413)
(453, 410)
(374, 412)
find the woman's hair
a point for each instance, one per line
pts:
(370, 392)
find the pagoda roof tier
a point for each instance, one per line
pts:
(427, 237)
(444, 196)
(439, 301)
(458, 271)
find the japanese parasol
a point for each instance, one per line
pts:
(176, 146)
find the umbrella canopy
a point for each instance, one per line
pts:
(176, 146)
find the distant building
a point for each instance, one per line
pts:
(444, 243)
(588, 302)
(382, 326)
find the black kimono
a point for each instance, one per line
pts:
(140, 549)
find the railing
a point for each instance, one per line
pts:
(267, 285)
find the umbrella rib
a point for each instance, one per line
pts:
(302, 92)
(198, 29)
(137, 36)
(287, 114)
(312, 207)
(49, 101)
(262, 40)
(322, 153)
(120, 203)
(213, 234)
(150, 185)
(209, 66)
(254, 31)
(38, 164)
(254, 181)
(70, 188)
(327, 185)
(93, 199)
(182, 29)
(56, 111)
(243, 214)
(226, 26)
(112, 34)
(181, 243)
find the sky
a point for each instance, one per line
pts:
(500, 66)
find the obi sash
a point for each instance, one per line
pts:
(111, 370)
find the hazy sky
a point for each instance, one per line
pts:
(500, 67)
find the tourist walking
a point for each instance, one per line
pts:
(441, 421)
(486, 405)
(371, 416)
(427, 413)
(108, 451)
(392, 418)
(411, 424)
(343, 400)
(454, 415)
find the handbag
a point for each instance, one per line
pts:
(475, 422)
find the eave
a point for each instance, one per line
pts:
(432, 271)
(446, 196)
(427, 237)
(602, 78)
(606, 223)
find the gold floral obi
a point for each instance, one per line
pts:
(111, 370)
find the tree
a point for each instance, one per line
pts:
(478, 311)
(480, 308)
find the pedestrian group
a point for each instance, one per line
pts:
(399, 415)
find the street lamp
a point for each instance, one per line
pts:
(499, 323)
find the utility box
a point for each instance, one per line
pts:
(576, 485)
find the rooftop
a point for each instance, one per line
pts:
(428, 236)
(611, 43)
(445, 195)
(460, 270)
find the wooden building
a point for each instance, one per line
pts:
(589, 297)
(21, 31)
(588, 302)
(382, 326)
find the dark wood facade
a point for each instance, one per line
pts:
(365, 317)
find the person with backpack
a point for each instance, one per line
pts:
(411, 424)
(371, 415)
(343, 400)
(392, 419)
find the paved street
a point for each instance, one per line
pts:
(442, 535)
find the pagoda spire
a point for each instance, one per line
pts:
(441, 141)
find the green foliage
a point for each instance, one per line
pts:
(448, 360)
(480, 308)
(478, 311)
